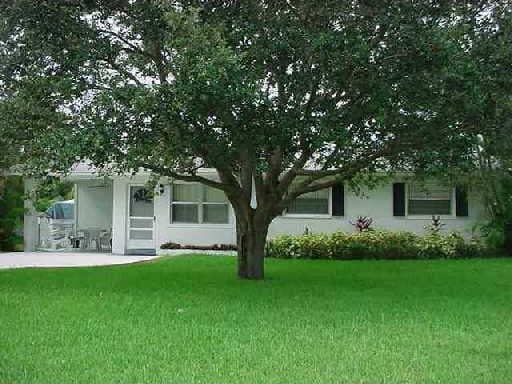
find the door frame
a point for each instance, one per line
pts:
(139, 246)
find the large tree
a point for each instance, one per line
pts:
(280, 98)
(492, 113)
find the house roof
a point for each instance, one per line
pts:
(82, 171)
(86, 171)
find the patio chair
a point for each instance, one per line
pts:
(105, 240)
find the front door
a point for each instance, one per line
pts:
(141, 220)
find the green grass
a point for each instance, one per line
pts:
(189, 320)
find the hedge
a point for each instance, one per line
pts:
(374, 245)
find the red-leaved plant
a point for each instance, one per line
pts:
(435, 225)
(363, 224)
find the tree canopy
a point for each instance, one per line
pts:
(493, 114)
(289, 96)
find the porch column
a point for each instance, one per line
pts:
(119, 216)
(30, 224)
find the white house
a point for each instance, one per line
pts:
(120, 209)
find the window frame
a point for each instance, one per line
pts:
(451, 215)
(314, 215)
(200, 207)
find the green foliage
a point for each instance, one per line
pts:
(494, 234)
(213, 247)
(451, 246)
(50, 190)
(490, 113)
(11, 213)
(341, 82)
(41, 205)
(495, 185)
(373, 245)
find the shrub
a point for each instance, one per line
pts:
(11, 213)
(373, 245)
(494, 234)
(170, 245)
(435, 226)
(214, 247)
(453, 246)
(363, 224)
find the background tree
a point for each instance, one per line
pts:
(493, 114)
(282, 98)
(11, 213)
(50, 190)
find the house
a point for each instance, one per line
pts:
(120, 209)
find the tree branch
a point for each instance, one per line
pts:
(124, 40)
(275, 163)
(290, 175)
(155, 55)
(158, 59)
(116, 67)
(193, 178)
(310, 184)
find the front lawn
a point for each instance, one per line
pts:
(188, 320)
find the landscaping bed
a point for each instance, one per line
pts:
(376, 245)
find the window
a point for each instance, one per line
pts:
(141, 202)
(197, 203)
(185, 203)
(215, 207)
(312, 203)
(430, 200)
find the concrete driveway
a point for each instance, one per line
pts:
(65, 259)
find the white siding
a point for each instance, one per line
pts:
(193, 234)
(377, 203)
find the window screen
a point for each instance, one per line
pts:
(311, 203)
(429, 200)
(197, 203)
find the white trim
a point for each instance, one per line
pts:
(138, 243)
(185, 251)
(308, 216)
(75, 218)
(199, 225)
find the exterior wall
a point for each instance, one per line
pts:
(190, 234)
(377, 204)
(119, 215)
(93, 204)
(164, 230)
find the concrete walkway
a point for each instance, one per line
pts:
(65, 259)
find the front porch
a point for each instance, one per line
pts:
(83, 224)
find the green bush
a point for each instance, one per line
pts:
(50, 190)
(11, 213)
(494, 234)
(373, 245)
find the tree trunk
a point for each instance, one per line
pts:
(251, 237)
(508, 237)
